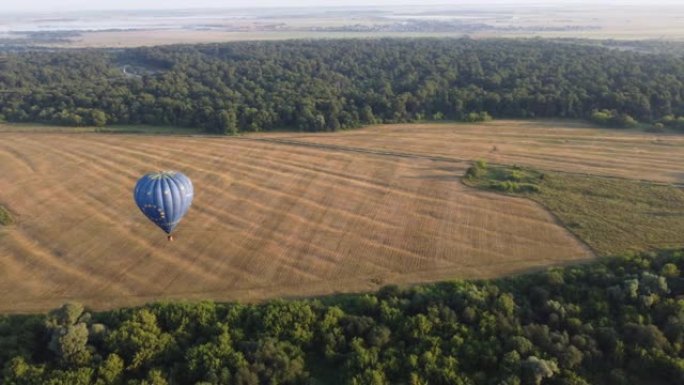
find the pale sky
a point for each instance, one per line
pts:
(87, 5)
(73, 5)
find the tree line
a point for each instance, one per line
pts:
(330, 85)
(617, 321)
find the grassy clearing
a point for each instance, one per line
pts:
(611, 215)
(5, 217)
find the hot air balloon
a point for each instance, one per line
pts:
(164, 197)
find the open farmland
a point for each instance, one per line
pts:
(544, 144)
(132, 29)
(269, 219)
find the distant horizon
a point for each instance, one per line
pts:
(78, 6)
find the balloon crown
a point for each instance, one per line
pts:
(162, 174)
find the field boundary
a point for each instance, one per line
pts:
(323, 288)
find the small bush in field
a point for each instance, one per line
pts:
(5, 217)
(477, 170)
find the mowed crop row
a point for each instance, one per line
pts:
(268, 220)
(551, 145)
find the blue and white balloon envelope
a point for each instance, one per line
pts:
(164, 197)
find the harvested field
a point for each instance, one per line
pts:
(549, 145)
(269, 219)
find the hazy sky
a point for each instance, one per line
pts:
(71, 5)
(74, 5)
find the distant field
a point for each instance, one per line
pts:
(122, 39)
(581, 20)
(585, 20)
(546, 144)
(269, 219)
(164, 37)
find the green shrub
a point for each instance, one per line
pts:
(482, 116)
(474, 172)
(477, 170)
(481, 163)
(5, 217)
(506, 179)
(514, 187)
(601, 117)
(516, 176)
(656, 128)
(528, 187)
(612, 118)
(506, 186)
(673, 122)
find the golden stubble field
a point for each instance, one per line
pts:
(294, 218)
(546, 144)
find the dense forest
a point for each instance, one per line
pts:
(616, 321)
(334, 84)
